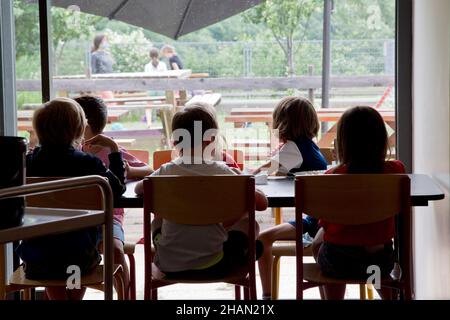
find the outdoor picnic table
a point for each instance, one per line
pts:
(239, 116)
(280, 192)
(24, 116)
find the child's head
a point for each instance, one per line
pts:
(168, 51)
(96, 113)
(294, 118)
(154, 53)
(59, 122)
(154, 56)
(189, 120)
(362, 140)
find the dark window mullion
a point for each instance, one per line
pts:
(45, 27)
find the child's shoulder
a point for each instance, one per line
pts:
(394, 166)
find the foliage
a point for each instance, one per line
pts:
(130, 51)
(67, 25)
(285, 19)
(243, 45)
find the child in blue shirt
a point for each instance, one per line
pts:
(296, 123)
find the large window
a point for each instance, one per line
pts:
(254, 62)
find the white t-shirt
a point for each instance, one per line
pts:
(183, 247)
(150, 68)
(288, 156)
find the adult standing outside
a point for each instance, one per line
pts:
(174, 60)
(102, 61)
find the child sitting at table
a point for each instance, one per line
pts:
(96, 113)
(296, 123)
(217, 247)
(347, 251)
(59, 126)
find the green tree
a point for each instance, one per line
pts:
(287, 20)
(67, 25)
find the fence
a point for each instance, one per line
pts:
(245, 59)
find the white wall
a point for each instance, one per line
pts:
(431, 95)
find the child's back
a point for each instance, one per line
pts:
(203, 250)
(348, 250)
(177, 243)
(48, 257)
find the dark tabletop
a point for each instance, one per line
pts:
(280, 192)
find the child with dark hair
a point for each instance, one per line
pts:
(97, 115)
(155, 65)
(347, 251)
(204, 250)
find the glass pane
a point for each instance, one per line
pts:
(28, 64)
(363, 46)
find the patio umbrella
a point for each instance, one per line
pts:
(172, 18)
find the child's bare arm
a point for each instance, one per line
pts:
(271, 166)
(134, 173)
(261, 202)
(139, 188)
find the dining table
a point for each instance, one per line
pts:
(280, 192)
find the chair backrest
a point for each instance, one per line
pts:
(141, 155)
(356, 199)
(328, 154)
(352, 199)
(163, 156)
(85, 198)
(200, 200)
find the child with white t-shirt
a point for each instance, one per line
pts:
(217, 247)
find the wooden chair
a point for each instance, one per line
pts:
(161, 157)
(356, 200)
(197, 204)
(86, 198)
(129, 247)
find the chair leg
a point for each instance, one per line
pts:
(26, 294)
(322, 292)
(252, 291)
(275, 277)
(369, 292)
(132, 286)
(246, 293)
(362, 292)
(237, 292)
(120, 287)
(154, 294)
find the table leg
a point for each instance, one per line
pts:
(183, 97)
(278, 215)
(109, 260)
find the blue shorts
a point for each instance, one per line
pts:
(118, 232)
(310, 225)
